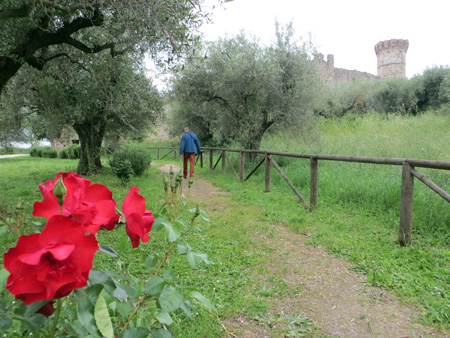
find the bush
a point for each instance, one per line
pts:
(138, 156)
(48, 152)
(74, 151)
(34, 151)
(63, 153)
(71, 152)
(122, 169)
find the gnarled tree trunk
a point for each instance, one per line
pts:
(91, 138)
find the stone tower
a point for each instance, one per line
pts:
(391, 58)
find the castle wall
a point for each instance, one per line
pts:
(332, 75)
(391, 62)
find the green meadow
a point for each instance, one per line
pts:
(357, 219)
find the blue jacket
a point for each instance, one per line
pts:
(189, 143)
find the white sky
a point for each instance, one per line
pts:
(348, 29)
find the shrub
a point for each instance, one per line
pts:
(122, 169)
(34, 151)
(48, 152)
(74, 151)
(71, 152)
(138, 156)
(63, 153)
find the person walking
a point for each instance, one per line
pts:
(188, 147)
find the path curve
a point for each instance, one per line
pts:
(334, 297)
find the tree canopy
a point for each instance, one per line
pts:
(239, 89)
(106, 95)
(35, 32)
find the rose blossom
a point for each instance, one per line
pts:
(50, 264)
(91, 205)
(139, 220)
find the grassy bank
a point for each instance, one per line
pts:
(358, 212)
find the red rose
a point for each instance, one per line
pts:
(139, 220)
(91, 205)
(50, 264)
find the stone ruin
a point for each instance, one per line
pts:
(391, 62)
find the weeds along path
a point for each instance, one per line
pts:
(327, 291)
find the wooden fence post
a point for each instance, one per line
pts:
(211, 161)
(224, 163)
(201, 160)
(268, 167)
(174, 154)
(406, 205)
(157, 153)
(313, 185)
(241, 165)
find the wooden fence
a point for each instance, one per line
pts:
(409, 172)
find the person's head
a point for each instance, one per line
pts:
(186, 129)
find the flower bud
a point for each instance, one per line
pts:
(166, 182)
(191, 181)
(197, 211)
(59, 190)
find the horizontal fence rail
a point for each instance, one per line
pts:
(409, 172)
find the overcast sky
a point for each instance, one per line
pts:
(348, 29)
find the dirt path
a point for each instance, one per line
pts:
(334, 297)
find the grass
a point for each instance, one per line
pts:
(230, 283)
(357, 219)
(358, 212)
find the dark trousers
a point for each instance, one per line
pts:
(191, 158)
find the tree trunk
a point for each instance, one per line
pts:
(8, 68)
(91, 137)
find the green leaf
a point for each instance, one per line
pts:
(173, 231)
(120, 294)
(195, 258)
(135, 332)
(203, 300)
(102, 318)
(170, 298)
(161, 333)
(202, 214)
(108, 250)
(3, 229)
(125, 308)
(36, 322)
(4, 274)
(164, 318)
(169, 276)
(5, 322)
(181, 222)
(186, 306)
(182, 249)
(85, 311)
(158, 224)
(155, 285)
(151, 261)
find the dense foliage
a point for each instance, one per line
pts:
(240, 89)
(37, 32)
(396, 95)
(103, 95)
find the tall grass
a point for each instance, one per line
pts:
(375, 188)
(358, 214)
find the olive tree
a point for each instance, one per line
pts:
(239, 89)
(106, 95)
(35, 32)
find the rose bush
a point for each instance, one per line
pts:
(44, 268)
